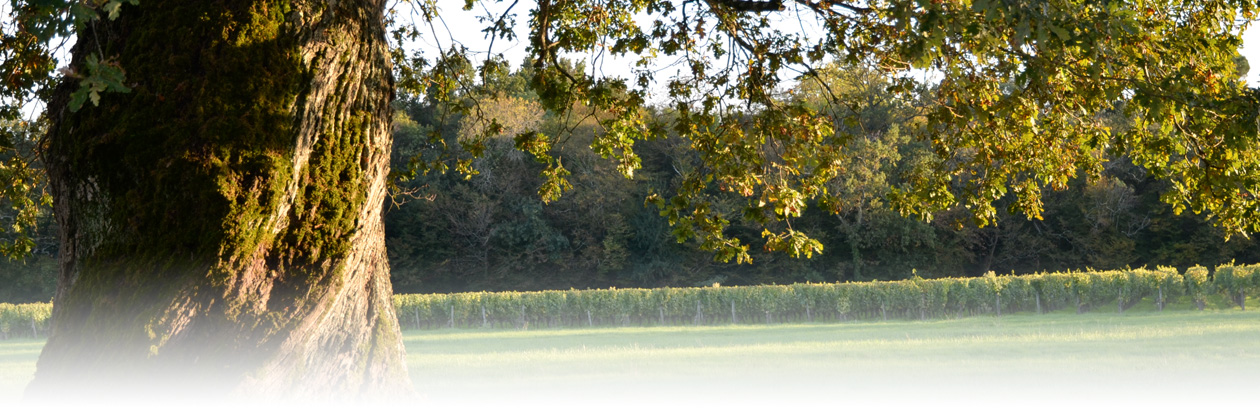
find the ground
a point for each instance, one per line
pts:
(1177, 359)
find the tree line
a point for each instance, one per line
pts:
(448, 232)
(1227, 286)
(490, 231)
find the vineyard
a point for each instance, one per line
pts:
(827, 302)
(24, 320)
(803, 302)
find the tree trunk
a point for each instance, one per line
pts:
(855, 250)
(855, 247)
(221, 223)
(992, 251)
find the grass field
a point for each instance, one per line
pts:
(1191, 358)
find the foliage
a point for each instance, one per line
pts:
(31, 34)
(23, 200)
(24, 320)
(916, 298)
(488, 232)
(971, 114)
(32, 279)
(1023, 98)
(28, 63)
(1237, 282)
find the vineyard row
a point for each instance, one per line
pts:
(801, 302)
(827, 302)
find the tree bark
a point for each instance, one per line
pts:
(855, 245)
(221, 223)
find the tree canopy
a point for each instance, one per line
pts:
(1012, 99)
(1015, 98)
(490, 231)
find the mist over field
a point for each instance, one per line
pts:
(1158, 364)
(1025, 360)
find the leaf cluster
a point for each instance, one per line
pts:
(1014, 99)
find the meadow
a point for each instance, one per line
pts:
(1179, 358)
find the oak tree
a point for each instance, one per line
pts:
(218, 168)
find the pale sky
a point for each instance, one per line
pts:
(1251, 50)
(464, 27)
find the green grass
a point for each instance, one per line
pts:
(1165, 352)
(17, 366)
(1174, 353)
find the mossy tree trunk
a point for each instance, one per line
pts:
(221, 223)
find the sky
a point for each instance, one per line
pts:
(464, 27)
(1251, 50)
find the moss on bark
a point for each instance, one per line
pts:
(214, 215)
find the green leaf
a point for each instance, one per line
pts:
(77, 98)
(101, 76)
(1063, 34)
(112, 7)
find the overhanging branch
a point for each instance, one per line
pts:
(755, 6)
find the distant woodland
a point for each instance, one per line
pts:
(491, 231)
(447, 232)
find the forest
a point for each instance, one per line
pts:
(491, 232)
(451, 232)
